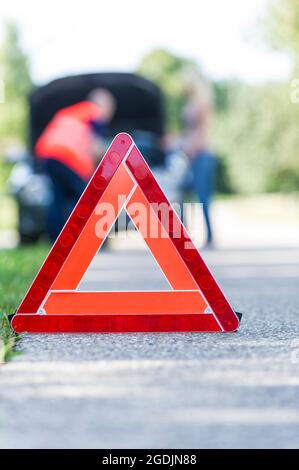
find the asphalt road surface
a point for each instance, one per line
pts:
(166, 390)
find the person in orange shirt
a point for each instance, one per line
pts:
(69, 149)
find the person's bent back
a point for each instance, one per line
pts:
(68, 149)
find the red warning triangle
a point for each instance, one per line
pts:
(53, 303)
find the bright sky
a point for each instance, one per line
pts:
(68, 36)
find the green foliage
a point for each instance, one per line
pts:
(4, 174)
(282, 26)
(165, 69)
(14, 72)
(8, 212)
(8, 339)
(17, 270)
(255, 127)
(258, 135)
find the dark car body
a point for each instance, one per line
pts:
(139, 111)
(139, 106)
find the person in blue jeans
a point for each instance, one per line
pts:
(197, 116)
(67, 187)
(204, 169)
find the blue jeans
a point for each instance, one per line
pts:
(204, 171)
(67, 189)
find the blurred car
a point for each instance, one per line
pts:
(140, 112)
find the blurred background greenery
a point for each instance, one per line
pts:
(255, 125)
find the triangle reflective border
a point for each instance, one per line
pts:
(195, 302)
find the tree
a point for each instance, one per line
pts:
(15, 76)
(259, 138)
(283, 26)
(255, 126)
(165, 69)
